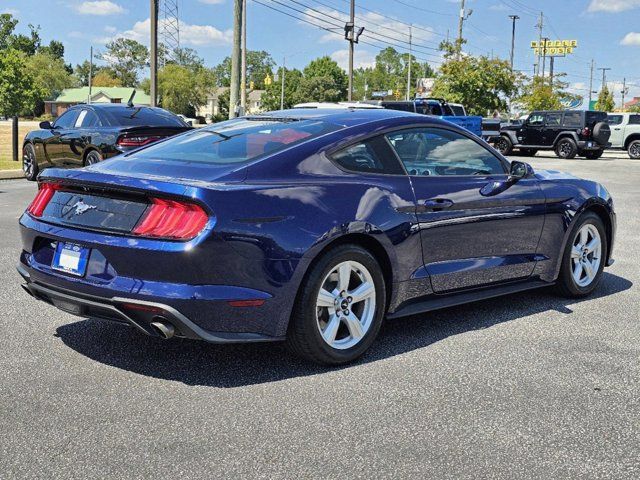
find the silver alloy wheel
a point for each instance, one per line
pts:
(586, 255)
(346, 305)
(28, 162)
(93, 157)
(634, 150)
(501, 145)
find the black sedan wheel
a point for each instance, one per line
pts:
(340, 307)
(92, 157)
(566, 148)
(29, 163)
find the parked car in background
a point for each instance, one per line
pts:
(625, 132)
(308, 225)
(87, 134)
(568, 132)
(436, 107)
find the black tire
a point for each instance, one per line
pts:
(566, 148)
(634, 150)
(593, 154)
(601, 133)
(92, 158)
(29, 162)
(567, 285)
(504, 145)
(528, 152)
(303, 335)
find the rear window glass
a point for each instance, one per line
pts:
(142, 116)
(236, 141)
(634, 119)
(595, 117)
(572, 119)
(458, 110)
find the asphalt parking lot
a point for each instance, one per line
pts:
(525, 386)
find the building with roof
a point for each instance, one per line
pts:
(634, 102)
(74, 96)
(211, 109)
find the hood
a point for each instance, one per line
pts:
(554, 175)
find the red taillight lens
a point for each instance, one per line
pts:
(137, 141)
(586, 132)
(43, 197)
(171, 219)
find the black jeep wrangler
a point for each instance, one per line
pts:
(567, 132)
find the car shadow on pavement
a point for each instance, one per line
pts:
(228, 366)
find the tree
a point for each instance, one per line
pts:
(28, 44)
(271, 97)
(126, 58)
(105, 78)
(605, 102)
(325, 67)
(55, 49)
(259, 65)
(481, 84)
(318, 89)
(81, 72)
(537, 94)
(50, 76)
(183, 90)
(18, 90)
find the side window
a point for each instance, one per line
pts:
(66, 120)
(370, 156)
(435, 151)
(572, 119)
(554, 119)
(634, 119)
(536, 120)
(87, 118)
(614, 119)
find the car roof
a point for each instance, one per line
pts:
(348, 117)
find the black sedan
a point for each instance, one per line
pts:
(87, 134)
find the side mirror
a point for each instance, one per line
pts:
(519, 170)
(46, 125)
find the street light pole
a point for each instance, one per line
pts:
(284, 59)
(590, 86)
(243, 62)
(235, 59)
(352, 14)
(409, 68)
(604, 76)
(513, 36)
(153, 53)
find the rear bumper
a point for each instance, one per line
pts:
(132, 311)
(590, 145)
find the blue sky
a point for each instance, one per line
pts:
(607, 30)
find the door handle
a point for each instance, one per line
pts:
(438, 204)
(616, 129)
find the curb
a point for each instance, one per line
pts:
(11, 174)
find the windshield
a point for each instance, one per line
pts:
(237, 141)
(142, 116)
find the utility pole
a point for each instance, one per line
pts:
(352, 15)
(604, 76)
(154, 53)
(235, 59)
(90, 71)
(513, 36)
(243, 63)
(409, 69)
(284, 59)
(551, 59)
(539, 25)
(625, 90)
(590, 86)
(463, 16)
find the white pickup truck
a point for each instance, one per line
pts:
(625, 132)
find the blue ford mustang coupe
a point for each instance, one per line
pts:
(309, 226)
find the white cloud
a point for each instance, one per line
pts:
(75, 34)
(99, 7)
(110, 29)
(631, 38)
(198, 35)
(499, 7)
(613, 6)
(361, 58)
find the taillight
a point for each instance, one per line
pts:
(43, 197)
(586, 132)
(171, 219)
(136, 141)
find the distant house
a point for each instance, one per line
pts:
(74, 96)
(635, 101)
(212, 108)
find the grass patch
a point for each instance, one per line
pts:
(6, 162)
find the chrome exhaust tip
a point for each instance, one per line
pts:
(163, 327)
